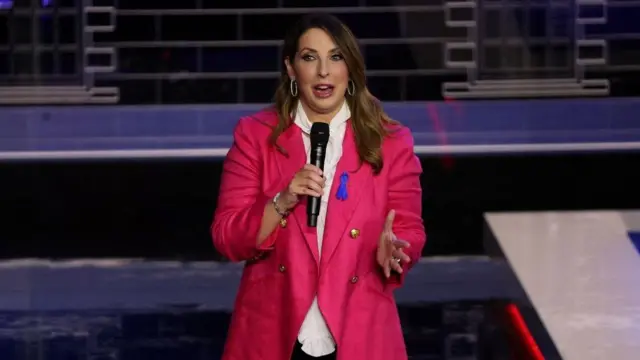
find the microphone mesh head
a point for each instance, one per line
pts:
(320, 132)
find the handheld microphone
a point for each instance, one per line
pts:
(319, 140)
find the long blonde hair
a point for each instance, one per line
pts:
(370, 122)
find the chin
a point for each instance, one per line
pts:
(325, 108)
(328, 104)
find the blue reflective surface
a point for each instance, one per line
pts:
(209, 127)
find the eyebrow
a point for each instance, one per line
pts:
(315, 51)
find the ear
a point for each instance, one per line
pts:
(290, 71)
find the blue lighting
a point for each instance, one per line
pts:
(8, 4)
(635, 239)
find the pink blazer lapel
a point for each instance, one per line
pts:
(340, 212)
(296, 157)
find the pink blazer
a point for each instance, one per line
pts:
(282, 276)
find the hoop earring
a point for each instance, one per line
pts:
(293, 87)
(351, 88)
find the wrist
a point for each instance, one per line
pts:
(286, 201)
(281, 205)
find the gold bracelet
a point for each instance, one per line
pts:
(275, 206)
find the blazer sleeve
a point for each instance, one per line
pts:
(241, 202)
(405, 197)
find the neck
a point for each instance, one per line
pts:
(315, 116)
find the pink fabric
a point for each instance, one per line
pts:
(282, 276)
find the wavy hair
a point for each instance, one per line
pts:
(369, 121)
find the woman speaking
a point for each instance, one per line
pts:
(326, 290)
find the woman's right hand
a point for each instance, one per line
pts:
(307, 182)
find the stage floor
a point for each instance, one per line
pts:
(125, 309)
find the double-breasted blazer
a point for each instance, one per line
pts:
(283, 275)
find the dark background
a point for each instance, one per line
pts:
(162, 209)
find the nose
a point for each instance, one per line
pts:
(323, 68)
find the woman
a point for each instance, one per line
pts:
(324, 292)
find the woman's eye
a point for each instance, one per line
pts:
(336, 57)
(307, 57)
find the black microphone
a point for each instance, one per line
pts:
(319, 141)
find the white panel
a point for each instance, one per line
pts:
(632, 220)
(581, 272)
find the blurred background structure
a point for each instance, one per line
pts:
(116, 115)
(199, 51)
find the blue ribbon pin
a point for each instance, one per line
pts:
(342, 188)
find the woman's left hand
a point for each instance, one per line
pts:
(390, 249)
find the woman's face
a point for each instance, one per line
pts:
(320, 72)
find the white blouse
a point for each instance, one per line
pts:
(314, 334)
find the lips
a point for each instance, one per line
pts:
(323, 90)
